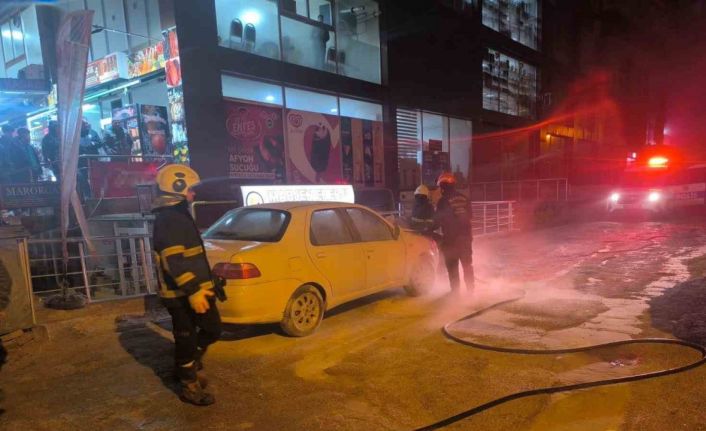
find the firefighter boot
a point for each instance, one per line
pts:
(191, 390)
(200, 373)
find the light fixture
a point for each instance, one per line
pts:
(615, 197)
(270, 98)
(334, 110)
(89, 107)
(251, 16)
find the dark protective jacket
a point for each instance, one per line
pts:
(453, 216)
(183, 268)
(422, 215)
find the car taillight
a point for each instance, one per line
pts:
(236, 271)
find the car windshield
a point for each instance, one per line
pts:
(642, 179)
(250, 224)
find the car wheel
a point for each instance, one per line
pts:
(422, 279)
(304, 312)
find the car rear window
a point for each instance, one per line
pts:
(250, 224)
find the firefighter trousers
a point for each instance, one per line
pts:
(193, 332)
(464, 257)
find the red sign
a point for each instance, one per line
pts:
(147, 60)
(111, 67)
(120, 179)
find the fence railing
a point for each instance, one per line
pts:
(550, 189)
(121, 267)
(493, 217)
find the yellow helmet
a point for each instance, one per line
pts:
(176, 179)
(422, 190)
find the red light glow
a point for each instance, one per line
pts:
(658, 162)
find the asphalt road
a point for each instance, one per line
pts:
(381, 363)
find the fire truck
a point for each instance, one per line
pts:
(659, 180)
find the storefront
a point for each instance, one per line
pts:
(281, 134)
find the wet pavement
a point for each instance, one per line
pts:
(382, 363)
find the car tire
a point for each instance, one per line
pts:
(304, 312)
(422, 278)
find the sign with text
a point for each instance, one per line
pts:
(30, 195)
(256, 142)
(109, 68)
(255, 195)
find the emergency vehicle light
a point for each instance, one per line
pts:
(658, 162)
(615, 197)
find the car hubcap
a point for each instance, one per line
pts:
(305, 311)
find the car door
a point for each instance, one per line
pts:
(336, 254)
(385, 255)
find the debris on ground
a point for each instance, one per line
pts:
(681, 310)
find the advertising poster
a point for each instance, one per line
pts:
(256, 142)
(347, 149)
(362, 147)
(175, 95)
(313, 142)
(154, 130)
(378, 155)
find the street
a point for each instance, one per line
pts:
(381, 363)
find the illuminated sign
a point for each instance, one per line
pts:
(109, 68)
(147, 60)
(254, 195)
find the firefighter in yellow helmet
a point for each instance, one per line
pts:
(185, 282)
(453, 216)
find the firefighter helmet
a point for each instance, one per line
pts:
(176, 179)
(422, 190)
(446, 178)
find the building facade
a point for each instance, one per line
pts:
(372, 93)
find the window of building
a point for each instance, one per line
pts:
(308, 45)
(360, 109)
(419, 132)
(358, 30)
(256, 91)
(517, 19)
(13, 43)
(338, 37)
(311, 101)
(249, 25)
(509, 85)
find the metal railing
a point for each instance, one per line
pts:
(493, 217)
(122, 267)
(549, 189)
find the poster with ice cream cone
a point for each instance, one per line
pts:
(314, 149)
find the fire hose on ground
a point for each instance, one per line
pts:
(563, 388)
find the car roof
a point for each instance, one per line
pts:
(288, 206)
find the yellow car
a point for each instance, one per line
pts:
(290, 262)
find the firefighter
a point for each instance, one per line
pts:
(423, 211)
(185, 283)
(453, 216)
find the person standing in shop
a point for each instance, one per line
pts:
(6, 141)
(453, 215)
(51, 149)
(31, 160)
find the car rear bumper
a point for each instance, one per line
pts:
(256, 303)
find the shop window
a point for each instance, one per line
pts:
(358, 30)
(321, 11)
(516, 19)
(310, 101)
(509, 85)
(245, 89)
(460, 132)
(359, 109)
(435, 132)
(308, 45)
(249, 25)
